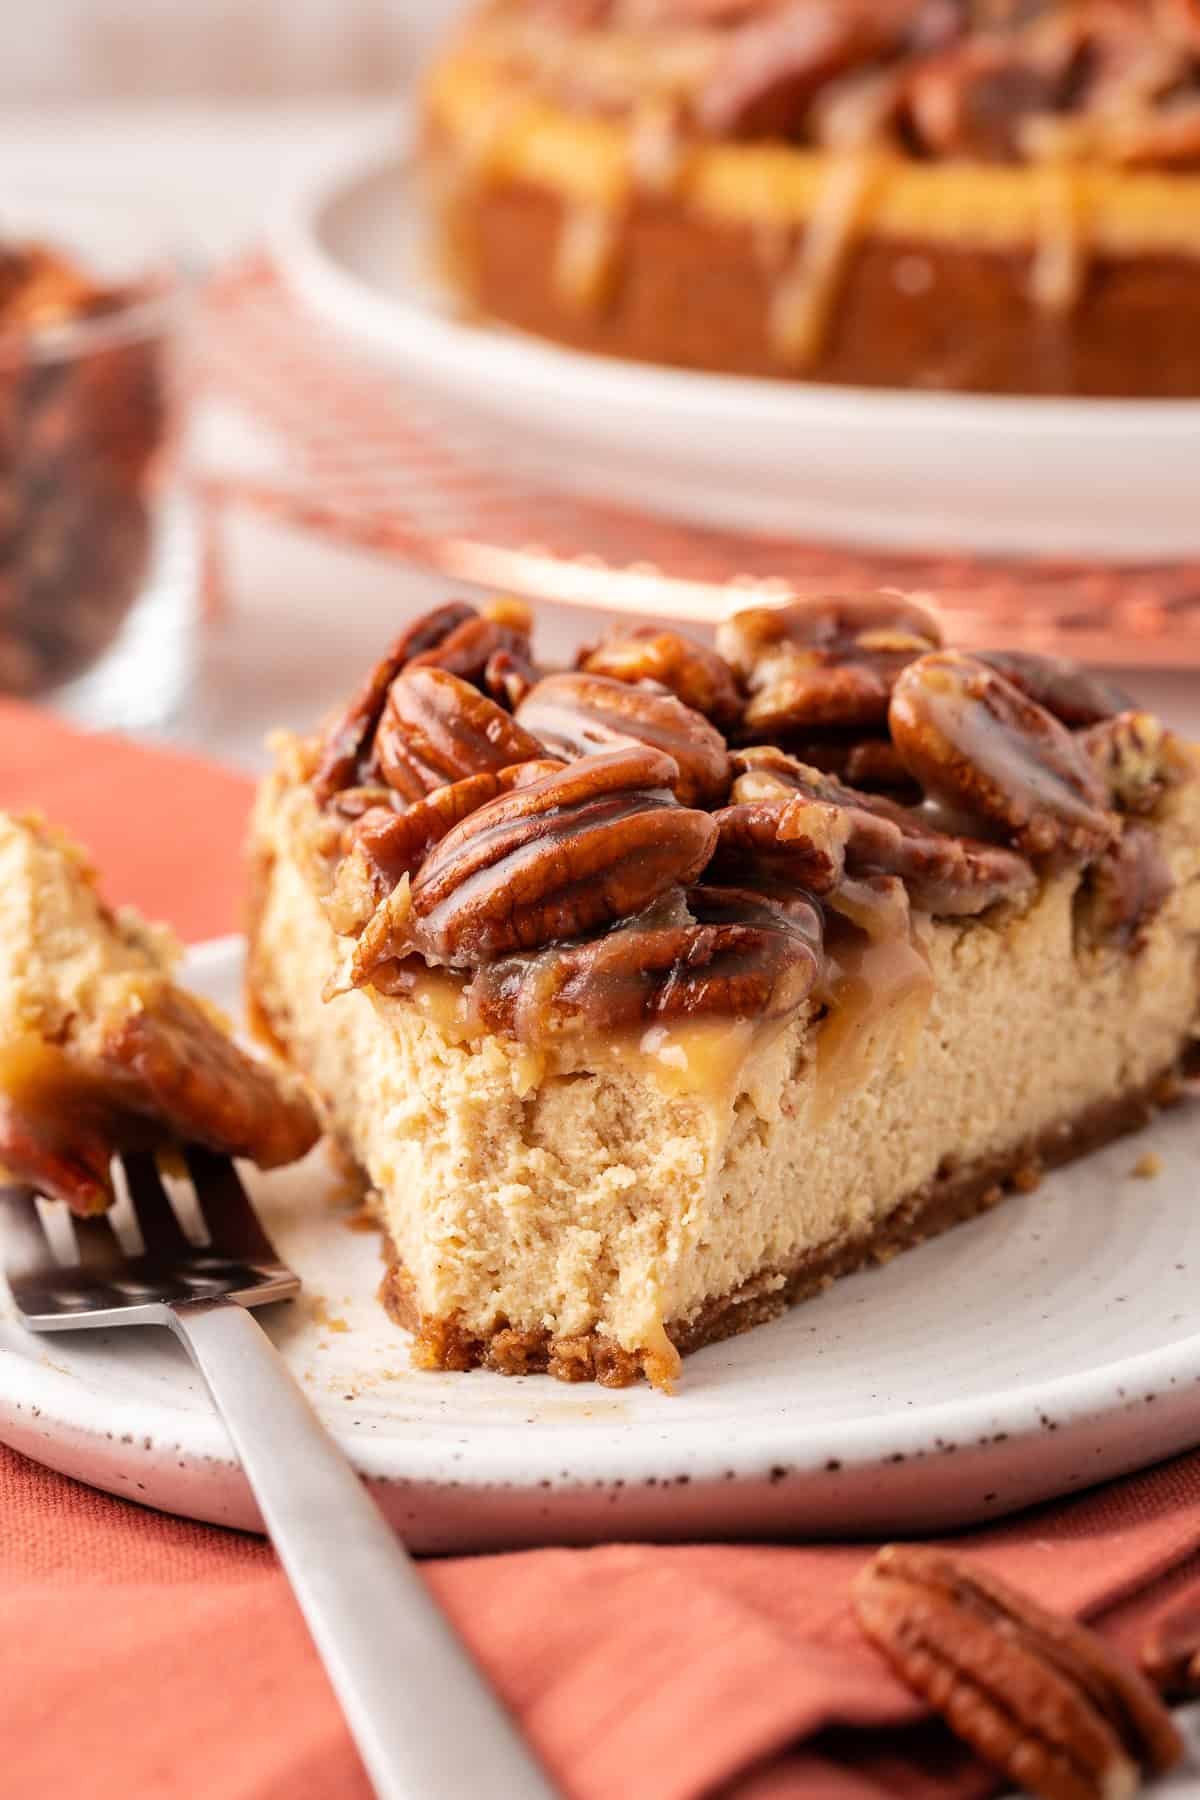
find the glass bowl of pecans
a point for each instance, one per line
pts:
(97, 567)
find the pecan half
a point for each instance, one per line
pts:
(71, 1165)
(1137, 760)
(351, 803)
(1125, 889)
(1041, 1698)
(508, 678)
(437, 728)
(949, 875)
(577, 849)
(383, 845)
(1076, 695)
(348, 739)
(972, 99)
(475, 644)
(776, 66)
(1170, 1654)
(871, 764)
(798, 840)
(692, 672)
(726, 952)
(829, 662)
(581, 714)
(159, 1071)
(183, 1070)
(975, 741)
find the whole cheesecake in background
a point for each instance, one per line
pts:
(983, 195)
(652, 994)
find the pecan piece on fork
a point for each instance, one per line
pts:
(1170, 1654)
(1036, 1695)
(577, 849)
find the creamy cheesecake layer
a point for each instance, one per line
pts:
(66, 960)
(613, 1193)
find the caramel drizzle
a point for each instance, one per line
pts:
(587, 256)
(804, 296)
(1062, 254)
(656, 147)
(877, 986)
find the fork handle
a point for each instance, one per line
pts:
(425, 1722)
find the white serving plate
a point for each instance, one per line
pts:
(1048, 1345)
(902, 470)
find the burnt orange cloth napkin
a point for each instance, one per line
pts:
(146, 1656)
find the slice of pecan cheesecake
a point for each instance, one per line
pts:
(101, 1051)
(650, 995)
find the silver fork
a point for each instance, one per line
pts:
(420, 1712)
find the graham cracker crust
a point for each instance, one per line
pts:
(958, 1194)
(922, 313)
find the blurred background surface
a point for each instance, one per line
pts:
(137, 127)
(87, 50)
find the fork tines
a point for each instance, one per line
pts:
(92, 1279)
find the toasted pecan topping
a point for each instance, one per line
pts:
(581, 715)
(1039, 1697)
(348, 739)
(1075, 695)
(870, 764)
(160, 1071)
(779, 63)
(437, 728)
(478, 643)
(1137, 759)
(1125, 889)
(728, 953)
(990, 80)
(192, 1077)
(71, 1166)
(383, 846)
(692, 672)
(508, 678)
(1170, 1654)
(830, 662)
(581, 847)
(800, 839)
(945, 874)
(549, 847)
(973, 739)
(351, 803)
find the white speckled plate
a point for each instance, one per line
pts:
(1049, 1344)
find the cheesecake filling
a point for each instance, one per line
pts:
(591, 1199)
